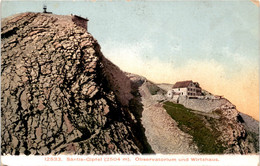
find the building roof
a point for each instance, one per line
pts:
(182, 84)
(86, 19)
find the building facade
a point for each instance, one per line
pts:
(187, 88)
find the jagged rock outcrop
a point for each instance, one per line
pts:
(225, 118)
(59, 93)
(233, 134)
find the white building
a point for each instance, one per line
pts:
(186, 88)
(170, 94)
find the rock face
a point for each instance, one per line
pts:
(233, 134)
(59, 93)
(225, 118)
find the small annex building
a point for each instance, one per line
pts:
(80, 21)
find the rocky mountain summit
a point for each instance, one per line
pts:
(60, 95)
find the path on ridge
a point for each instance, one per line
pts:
(161, 130)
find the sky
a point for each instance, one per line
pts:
(215, 43)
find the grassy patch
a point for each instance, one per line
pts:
(193, 124)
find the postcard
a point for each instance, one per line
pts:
(127, 82)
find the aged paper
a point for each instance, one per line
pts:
(183, 75)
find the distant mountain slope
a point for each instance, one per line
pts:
(165, 86)
(251, 124)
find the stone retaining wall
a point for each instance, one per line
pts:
(205, 105)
